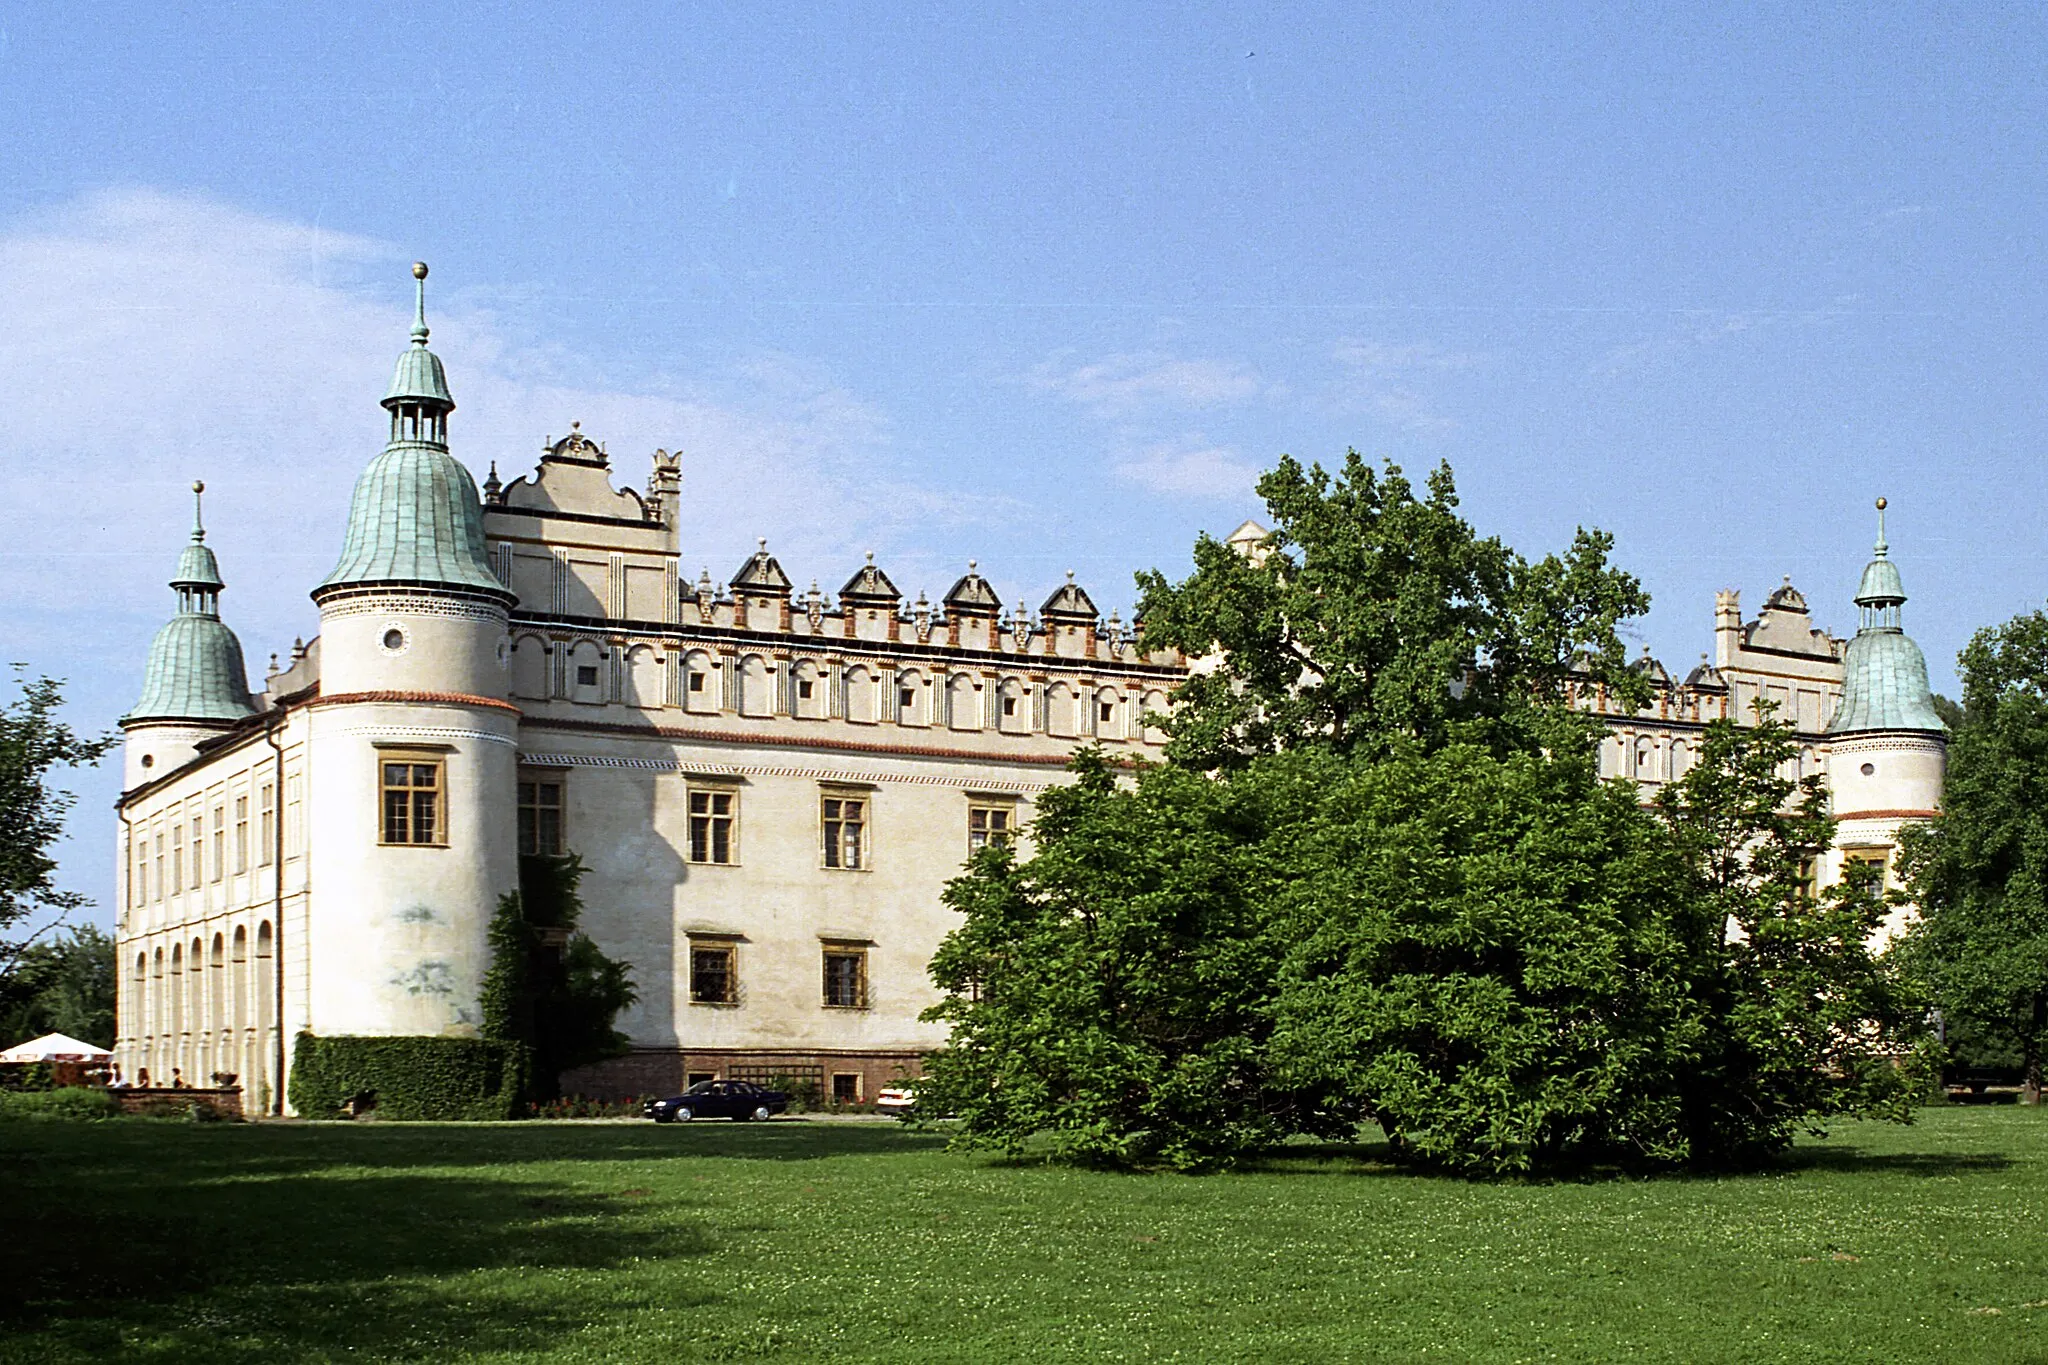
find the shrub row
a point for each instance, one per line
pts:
(72, 1102)
(408, 1078)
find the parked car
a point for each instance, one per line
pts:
(741, 1100)
(900, 1098)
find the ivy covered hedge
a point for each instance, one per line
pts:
(408, 1077)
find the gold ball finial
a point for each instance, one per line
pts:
(1880, 504)
(198, 485)
(419, 270)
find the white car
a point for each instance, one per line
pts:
(897, 1099)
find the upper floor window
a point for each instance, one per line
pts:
(241, 834)
(989, 823)
(220, 841)
(846, 976)
(714, 825)
(714, 973)
(411, 787)
(540, 817)
(846, 831)
(266, 827)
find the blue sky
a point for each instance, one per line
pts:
(1042, 286)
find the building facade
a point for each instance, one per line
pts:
(769, 787)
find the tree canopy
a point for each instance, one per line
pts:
(1373, 614)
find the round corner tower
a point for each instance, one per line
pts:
(413, 744)
(1889, 755)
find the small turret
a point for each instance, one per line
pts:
(1884, 678)
(195, 684)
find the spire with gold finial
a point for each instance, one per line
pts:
(1884, 674)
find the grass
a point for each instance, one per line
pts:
(802, 1241)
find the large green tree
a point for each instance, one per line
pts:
(34, 744)
(1380, 881)
(1980, 874)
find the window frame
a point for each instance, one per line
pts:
(711, 792)
(266, 823)
(729, 947)
(219, 831)
(832, 849)
(993, 831)
(535, 779)
(413, 760)
(858, 954)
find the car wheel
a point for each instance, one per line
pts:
(762, 1113)
(684, 1114)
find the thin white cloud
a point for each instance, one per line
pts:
(1127, 385)
(1389, 380)
(1190, 469)
(147, 339)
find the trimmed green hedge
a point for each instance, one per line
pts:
(410, 1077)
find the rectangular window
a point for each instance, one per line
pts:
(294, 819)
(198, 852)
(714, 823)
(241, 834)
(714, 973)
(803, 689)
(138, 894)
(1009, 706)
(220, 842)
(540, 818)
(177, 867)
(161, 883)
(412, 799)
(266, 827)
(586, 675)
(846, 1087)
(696, 682)
(989, 824)
(846, 978)
(846, 830)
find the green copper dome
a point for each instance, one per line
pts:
(195, 669)
(195, 672)
(416, 519)
(1884, 674)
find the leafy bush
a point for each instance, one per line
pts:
(408, 1077)
(74, 1103)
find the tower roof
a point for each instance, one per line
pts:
(1884, 674)
(416, 519)
(195, 669)
(418, 376)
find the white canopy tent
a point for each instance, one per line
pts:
(55, 1047)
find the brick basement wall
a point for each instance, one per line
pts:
(665, 1071)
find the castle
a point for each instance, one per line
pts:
(769, 788)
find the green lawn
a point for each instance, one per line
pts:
(805, 1241)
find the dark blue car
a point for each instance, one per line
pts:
(741, 1100)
